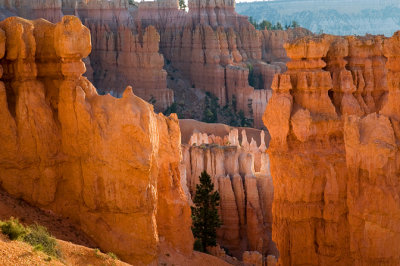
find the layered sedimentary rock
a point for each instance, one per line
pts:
(124, 52)
(215, 49)
(110, 165)
(32, 9)
(333, 120)
(240, 173)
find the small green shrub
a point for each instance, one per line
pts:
(98, 253)
(13, 229)
(112, 255)
(198, 246)
(38, 248)
(38, 236)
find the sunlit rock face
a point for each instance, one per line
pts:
(334, 129)
(123, 51)
(213, 48)
(110, 165)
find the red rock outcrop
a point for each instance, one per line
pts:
(333, 122)
(110, 165)
(245, 187)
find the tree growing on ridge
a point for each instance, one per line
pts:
(182, 4)
(205, 215)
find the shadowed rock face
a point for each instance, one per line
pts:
(124, 52)
(240, 172)
(215, 49)
(110, 165)
(334, 125)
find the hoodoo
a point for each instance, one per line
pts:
(334, 129)
(110, 165)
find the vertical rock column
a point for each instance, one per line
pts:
(37, 138)
(307, 161)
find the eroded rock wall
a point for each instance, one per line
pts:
(334, 146)
(110, 165)
(214, 48)
(124, 52)
(240, 173)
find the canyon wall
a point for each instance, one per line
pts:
(214, 48)
(109, 165)
(334, 124)
(124, 52)
(240, 172)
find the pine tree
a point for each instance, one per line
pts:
(182, 4)
(205, 214)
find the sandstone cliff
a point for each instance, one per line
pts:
(334, 129)
(110, 165)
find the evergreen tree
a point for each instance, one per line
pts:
(205, 214)
(182, 4)
(211, 106)
(295, 24)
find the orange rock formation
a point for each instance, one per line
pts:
(215, 49)
(334, 125)
(110, 165)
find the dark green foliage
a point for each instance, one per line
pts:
(198, 246)
(205, 214)
(229, 114)
(35, 235)
(250, 106)
(152, 100)
(237, 119)
(267, 25)
(13, 229)
(234, 103)
(211, 106)
(176, 108)
(40, 239)
(243, 121)
(251, 77)
(278, 26)
(255, 79)
(182, 4)
(293, 25)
